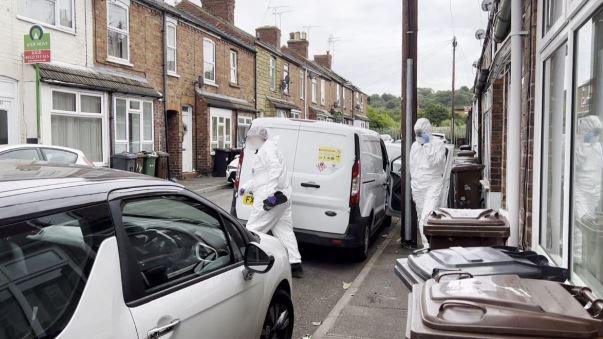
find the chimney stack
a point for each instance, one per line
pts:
(224, 9)
(325, 60)
(298, 43)
(270, 35)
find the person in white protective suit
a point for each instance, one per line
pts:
(271, 191)
(427, 165)
(588, 177)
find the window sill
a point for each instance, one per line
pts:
(210, 83)
(235, 85)
(45, 25)
(173, 74)
(119, 61)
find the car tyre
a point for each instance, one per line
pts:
(387, 221)
(362, 252)
(279, 320)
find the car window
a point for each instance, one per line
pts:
(57, 156)
(174, 239)
(21, 154)
(44, 265)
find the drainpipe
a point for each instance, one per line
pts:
(514, 123)
(306, 92)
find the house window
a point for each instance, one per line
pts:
(338, 95)
(118, 31)
(233, 67)
(343, 94)
(171, 47)
(295, 114)
(133, 123)
(553, 9)
(209, 61)
(357, 96)
(77, 122)
(53, 13)
(286, 78)
(302, 85)
(323, 89)
(243, 125)
(314, 90)
(587, 158)
(553, 153)
(282, 113)
(220, 129)
(273, 74)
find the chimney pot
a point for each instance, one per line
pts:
(270, 35)
(291, 35)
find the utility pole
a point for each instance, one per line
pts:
(452, 128)
(409, 117)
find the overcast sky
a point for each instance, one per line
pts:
(369, 48)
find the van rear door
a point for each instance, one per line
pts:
(321, 179)
(287, 131)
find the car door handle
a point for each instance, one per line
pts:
(159, 332)
(308, 184)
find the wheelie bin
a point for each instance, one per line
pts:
(221, 157)
(150, 161)
(124, 161)
(162, 165)
(465, 184)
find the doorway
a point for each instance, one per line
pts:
(9, 129)
(187, 139)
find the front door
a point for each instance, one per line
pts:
(9, 133)
(187, 139)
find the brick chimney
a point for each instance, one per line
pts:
(325, 60)
(270, 35)
(298, 43)
(224, 9)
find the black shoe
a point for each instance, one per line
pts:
(297, 271)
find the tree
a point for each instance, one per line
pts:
(435, 112)
(380, 118)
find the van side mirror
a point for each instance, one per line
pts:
(256, 260)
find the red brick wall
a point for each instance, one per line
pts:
(497, 137)
(224, 9)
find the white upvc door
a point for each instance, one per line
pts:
(9, 127)
(187, 139)
(220, 128)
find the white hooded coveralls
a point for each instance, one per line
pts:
(427, 165)
(269, 175)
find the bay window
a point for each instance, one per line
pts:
(53, 13)
(209, 61)
(552, 10)
(220, 128)
(76, 121)
(133, 123)
(118, 31)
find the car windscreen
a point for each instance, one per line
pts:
(44, 266)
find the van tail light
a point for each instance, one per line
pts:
(236, 181)
(355, 187)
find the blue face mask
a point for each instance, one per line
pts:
(426, 138)
(589, 137)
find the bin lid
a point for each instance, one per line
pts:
(465, 147)
(477, 217)
(124, 155)
(504, 305)
(466, 166)
(466, 153)
(480, 261)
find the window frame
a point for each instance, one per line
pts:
(272, 73)
(218, 115)
(57, 25)
(172, 23)
(286, 89)
(314, 90)
(234, 67)
(126, 32)
(323, 92)
(212, 63)
(243, 120)
(302, 85)
(135, 293)
(103, 116)
(129, 111)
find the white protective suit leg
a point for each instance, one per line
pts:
(280, 222)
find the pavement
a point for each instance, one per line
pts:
(339, 297)
(205, 184)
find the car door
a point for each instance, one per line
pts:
(394, 198)
(184, 269)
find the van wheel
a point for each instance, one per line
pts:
(387, 222)
(362, 251)
(279, 318)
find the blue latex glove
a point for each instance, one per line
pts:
(242, 191)
(271, 200)
(426, 138)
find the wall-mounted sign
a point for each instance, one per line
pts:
(36, 46)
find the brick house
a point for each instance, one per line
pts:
(561, 162)
(207, 80)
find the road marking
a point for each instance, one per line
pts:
(345, 299)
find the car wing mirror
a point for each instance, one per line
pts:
(256, 260)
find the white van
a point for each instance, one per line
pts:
(339, 177)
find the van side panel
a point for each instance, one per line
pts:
(288, 135)
(321, 180)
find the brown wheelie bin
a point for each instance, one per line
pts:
(466, 187)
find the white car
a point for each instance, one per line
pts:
(386, 138)
(440, 136)
(97, 253)
(231, 169)
(339, 176)
(51, 154)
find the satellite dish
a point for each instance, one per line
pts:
(486, 5)
(480, 34)
(475, 63)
